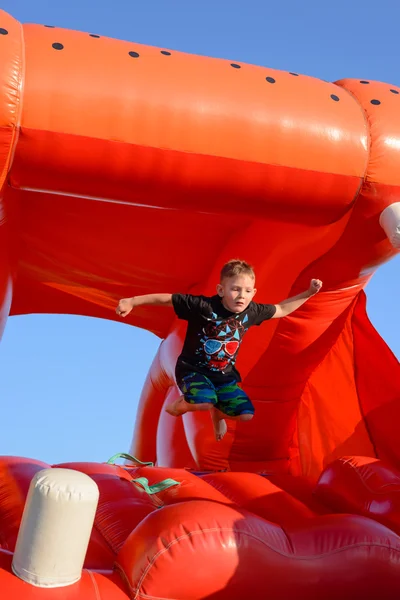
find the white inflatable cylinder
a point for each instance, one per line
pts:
(55, 528)
(390, 223)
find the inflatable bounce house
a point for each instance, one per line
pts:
(126, 170)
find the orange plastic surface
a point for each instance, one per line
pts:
(127, 169)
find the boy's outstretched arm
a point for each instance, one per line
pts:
(286, 307)
(126, 305)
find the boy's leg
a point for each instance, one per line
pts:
(198, 394)
(180, 406)
(219, 423)
(233, 402)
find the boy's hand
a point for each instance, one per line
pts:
(125, 306)
(315, 286)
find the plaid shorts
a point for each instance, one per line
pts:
(227, 397)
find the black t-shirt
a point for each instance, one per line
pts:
(214, 335)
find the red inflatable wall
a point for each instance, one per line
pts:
(127, 169)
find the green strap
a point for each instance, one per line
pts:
(112, 460)
(156, 487)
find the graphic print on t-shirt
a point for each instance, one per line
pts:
(220, 341)
(214, 334)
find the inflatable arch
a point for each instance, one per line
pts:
(127, 169)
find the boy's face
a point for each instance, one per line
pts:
(236, 292)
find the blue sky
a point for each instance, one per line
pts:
(70, 385)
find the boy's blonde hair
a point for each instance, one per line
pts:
(236, 267)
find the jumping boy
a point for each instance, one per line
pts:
(205, 371)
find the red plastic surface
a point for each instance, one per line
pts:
(127, 171)
(221, 535)
(363, 486)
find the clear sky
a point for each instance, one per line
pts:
(70, 385)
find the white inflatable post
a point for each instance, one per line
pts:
(55, 528)
(390, 223)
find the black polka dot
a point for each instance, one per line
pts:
(235, 66)
(57, 46)
(94, 35)
(50, 26)
(166, 53)
(394, 91)
(295, 74)
(134, 54)
(270, 79)
(3, 31)
(376, 102)
(335, 98)
(364, 82)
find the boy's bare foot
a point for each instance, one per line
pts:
(177, 407)
(220, 426)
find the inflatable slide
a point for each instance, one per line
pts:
(128, 169)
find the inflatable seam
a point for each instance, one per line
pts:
(366, 486)
(367, 127)
(369, 138)
(95, 586)
(258, 539)
(20, 96)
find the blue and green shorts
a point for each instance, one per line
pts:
(227, 397)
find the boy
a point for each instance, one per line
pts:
(205, 371)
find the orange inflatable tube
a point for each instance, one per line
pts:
(127, 169)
